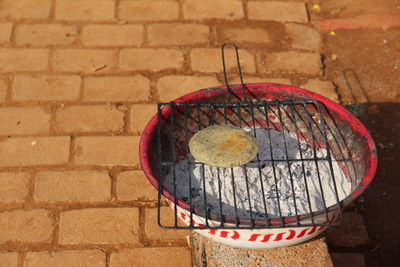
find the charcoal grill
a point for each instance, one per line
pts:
(311, 118)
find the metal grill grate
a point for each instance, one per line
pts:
(304, 122)
(308, 120)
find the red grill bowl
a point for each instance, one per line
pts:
(363, 146)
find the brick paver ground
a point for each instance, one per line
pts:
(78, 82)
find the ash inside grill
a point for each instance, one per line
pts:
(287, 192)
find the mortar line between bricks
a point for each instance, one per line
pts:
(337, 91)
(115, 59)
(180, 11)
(81, 88)
(50, 66)
(213, 35)
(47, 247)
(30, 198)
(145, 41)
(131, 22)
(170, 46)
(9, 92)
(142, 221)
(13, 35)
(53, 118)
(68, 205)
(308, 15)
(186, 59)
(21, 258)
(115, 133)
(52, 15)
(166, 243)
(153, 90)
(70, 167)
(113, 174)
(115, 11)
(72, 147)
(245, 10)
(127, 120)
(108, 258)
(56, 220)
(78, 41)
(110, 74)
(117, 6)
(122, 73)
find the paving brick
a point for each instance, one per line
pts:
(112, 35)
(3, 89)
(133, 185)
(28, 151)
(174, 86)
(99, 226)
(348, 259)
(140, 116)
(156, 233)
(5, 32)
(236, 80)
(143, 10)
(150, 59)
(67, 258)
(9, 259)
(85, 10)
(303, 37)
(290, 62)
(46, 87)
(116, 88)
(23, 59)
(245, 34)
(209, 60)
(83, 60)
(160, 257)
(107, 150)
(93, 118)
(350, 232)
(25, 226)
(73, 186)
(324, 88)
(25, 9)
(45, 34)
(277, 11)
(178, 34)
(24, 120)
(14, 186)
(213, 9)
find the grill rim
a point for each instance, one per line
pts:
(354, 124)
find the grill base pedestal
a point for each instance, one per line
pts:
(206, 252)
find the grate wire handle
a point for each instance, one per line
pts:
(229, 91)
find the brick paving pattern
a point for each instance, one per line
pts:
(79, 80)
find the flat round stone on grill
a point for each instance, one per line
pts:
(223, 146)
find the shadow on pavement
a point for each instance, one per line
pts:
(380, 207)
